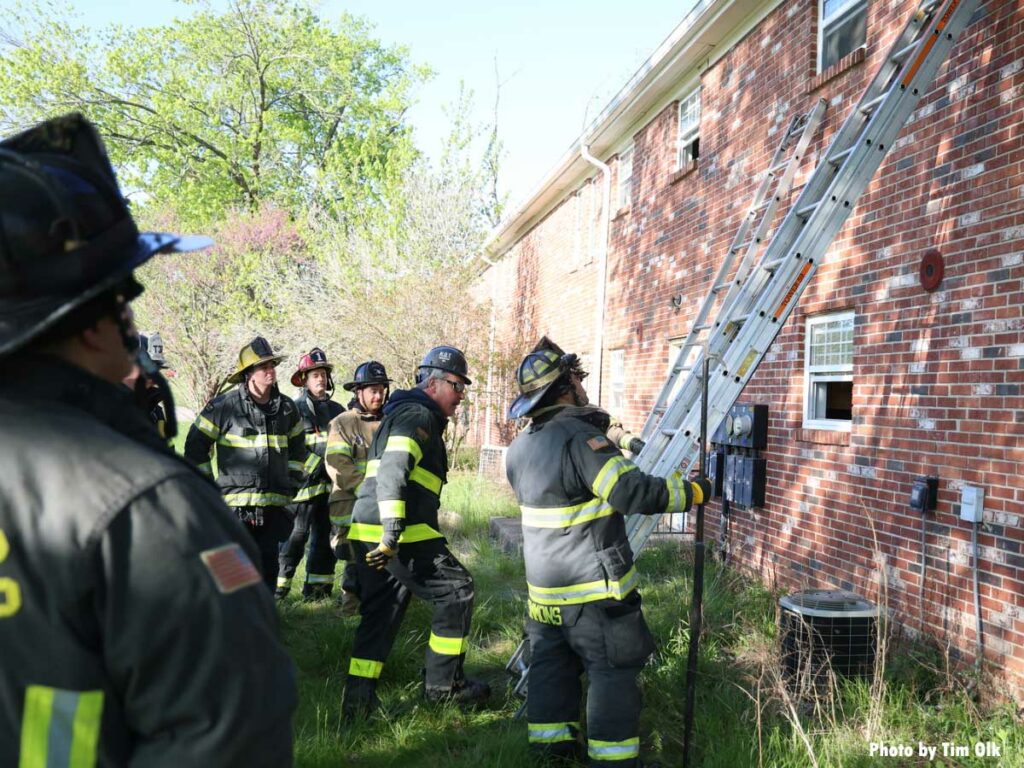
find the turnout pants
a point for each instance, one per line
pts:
(428, 570)
(268, 527)
(610, 642)
(312, 524)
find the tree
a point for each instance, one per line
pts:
(264, 102)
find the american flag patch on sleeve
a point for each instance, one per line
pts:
(230, 567)
(597, 443)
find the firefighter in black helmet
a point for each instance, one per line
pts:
(398, 545)
(348, 443)
(133, 627)
(574, 488)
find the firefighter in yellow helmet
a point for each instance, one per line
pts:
(574, 488)
(261, 450)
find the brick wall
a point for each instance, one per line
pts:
(937, 375)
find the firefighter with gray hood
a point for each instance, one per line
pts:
(309, 507)
(574, 488)
(133, 627)
(398, 545)
(260, 450)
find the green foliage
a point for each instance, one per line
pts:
(262, 102)
(740, 720)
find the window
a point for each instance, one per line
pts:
(828, 366)
(625, 177)
(617, 380)
(577, 231)
(842, 28)
(688, 140)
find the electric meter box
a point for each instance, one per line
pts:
(745, 426)
(972, 503)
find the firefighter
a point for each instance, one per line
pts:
(133, 627)
(261, 450)
(574, 488)
(399, 548)
(309, 507)
(348, 442)
(148, 396)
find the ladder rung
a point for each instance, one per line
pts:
(699, 328)
(770, 266)
(901, 54)
(721, 287)
(838, 159)
(778, 167)
(669, 432)
(868, 107)
(807, 210)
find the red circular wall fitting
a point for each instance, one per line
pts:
(932, 269)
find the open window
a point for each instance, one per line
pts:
(828, 372)
(842, 29)
(688, 138)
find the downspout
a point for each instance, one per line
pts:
(488, 417)
(602, 270)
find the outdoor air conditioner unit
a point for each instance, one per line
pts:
(827, 631)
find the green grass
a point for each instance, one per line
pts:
(919, 702)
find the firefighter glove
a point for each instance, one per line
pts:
(379, 558)
(701, 491)
(636, 445)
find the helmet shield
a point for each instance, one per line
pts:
(66, 234)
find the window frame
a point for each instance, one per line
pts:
(624, 184)
(616, 388)
(686, 138)
(844, 12)
(824, 374)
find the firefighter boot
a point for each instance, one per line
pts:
(360, 698)
(466, 693)
(349, 602)
(313, 592)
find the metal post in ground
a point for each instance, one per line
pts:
(696, 606)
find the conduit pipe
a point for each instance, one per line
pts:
(488, 413)
(602, 271)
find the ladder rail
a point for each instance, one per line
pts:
(809, 124)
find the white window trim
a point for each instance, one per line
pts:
(616, 385)
(624, 193)
(837, 16)
(691, 134)
(824, 374)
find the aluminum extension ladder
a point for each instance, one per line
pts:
(757, 301)
(760, 300)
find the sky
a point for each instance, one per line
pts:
(559, 62)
